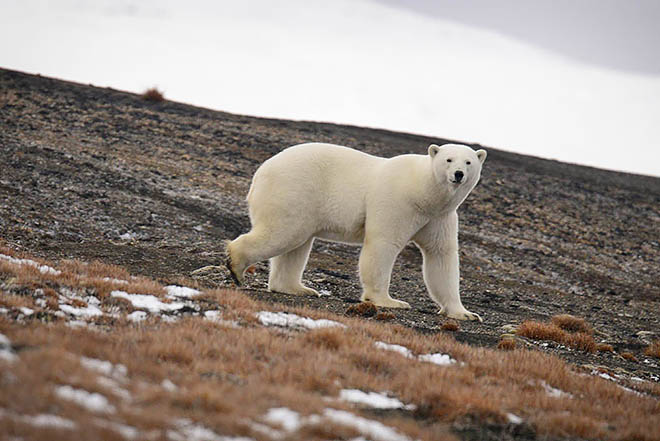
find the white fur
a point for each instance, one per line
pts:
(337, 193)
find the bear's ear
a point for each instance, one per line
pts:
(433, 150)
(481, 154)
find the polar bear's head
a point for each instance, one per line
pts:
(456, 164)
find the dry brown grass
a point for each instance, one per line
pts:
(363, 309)
(226, 378)
(604, 347)
(570, 323)
(552, 332)
(153, 95)
(451, 326)
(385, 316)
(581, 341)
(506, 344)
(653, 350)
(541, 331)
(629, 356)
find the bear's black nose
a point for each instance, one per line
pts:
(458, 176)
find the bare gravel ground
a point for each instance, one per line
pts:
(95, 173)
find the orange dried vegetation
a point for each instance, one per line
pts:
(506, 344)
(571, 323)
(551, 331)
(227, 378)
(629, 356)
(653, 350)
(153, 95)
(604, 347)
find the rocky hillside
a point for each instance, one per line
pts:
(156, 187)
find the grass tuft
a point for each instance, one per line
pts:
(580, 340)
(604, 347)
(541, 331)
(506, 344)
(653, 350)
(364, 309)
(154, 95)
(629, 356)
(450, 325)
(570, 323)
(385, 316)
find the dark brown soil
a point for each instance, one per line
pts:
(157, 187)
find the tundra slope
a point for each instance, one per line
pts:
(96, 173)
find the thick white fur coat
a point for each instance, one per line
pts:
(331, 192)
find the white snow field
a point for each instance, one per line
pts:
(347, 61)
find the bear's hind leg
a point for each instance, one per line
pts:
(286, 271)
(257, 245)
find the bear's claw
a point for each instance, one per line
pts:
(237, 281)
(388, 303)
(463, 315)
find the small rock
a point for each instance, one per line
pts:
(509, 329)
(207, 270)
(646, 336)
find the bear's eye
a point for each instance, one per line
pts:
(448, 160)
(468, 162)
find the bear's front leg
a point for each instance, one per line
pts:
(438, 242)
(441, 275)
(376, 262)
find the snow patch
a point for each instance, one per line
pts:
(113, 280)
(373, 399)
(554, 392)
(181, 291)
(287, 419)
(438, 358)
(43, 269)
(168, 385)
(186, 430)
(104, 367)
(137, 316)
(114, 387)
(291, 421)
(128, 236)
(395, 348)
(40, 420)
(148, 302)
(214, 315)
(128, 432)
(285, 319)
(374, 430)
(26, 311)
(89, 400)
(513, 418)
(88, 311)
(6, 352)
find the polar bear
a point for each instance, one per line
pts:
(331, 192)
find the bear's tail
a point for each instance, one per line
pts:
(252, 184)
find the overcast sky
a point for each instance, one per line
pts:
(574, 80)
(618, 34)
